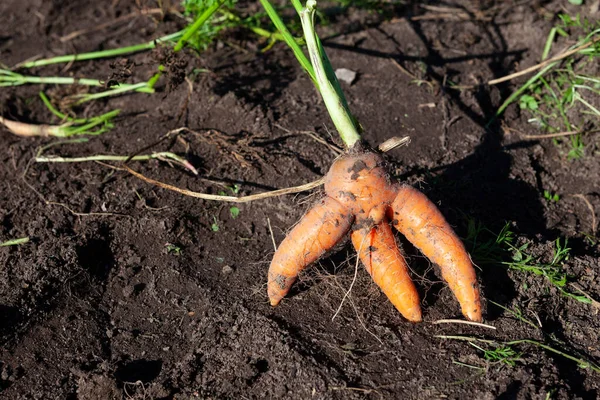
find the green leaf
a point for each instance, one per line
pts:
(173, 249)
(576, 2)
(549, 42)
(234, 211)
(215, 225)
(528, 102)
(569, 95)
(235, 189)
(566, 19)
(551, 196)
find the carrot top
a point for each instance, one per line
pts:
(319, 69)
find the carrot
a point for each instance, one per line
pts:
(381, 257)
(359, 192)
(417, 218)
(318, 231)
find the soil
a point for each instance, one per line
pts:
(127, 290)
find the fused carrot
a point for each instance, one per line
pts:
(316, 233)
(359, 190)
(381, 257)
(417, 218)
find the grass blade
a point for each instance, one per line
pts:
(198, 24)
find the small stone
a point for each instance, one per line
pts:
(227, 270)
(128, 291)
(345, 75)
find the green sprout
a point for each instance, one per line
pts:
(173, 249)
(215, 225)
(94, 55)
(551, 197)
(503, 249)
(10, 78)
(234, 212)
(508, 356)
(500, 354)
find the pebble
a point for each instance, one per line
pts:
(345, 75)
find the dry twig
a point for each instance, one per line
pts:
(541, 65)
(460, 321)
(385, 146)
(233, 199)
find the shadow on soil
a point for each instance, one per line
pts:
(259, 84)
(139, 370)
(481, 182)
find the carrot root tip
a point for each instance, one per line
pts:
(416, 318)
(474, 315)
(274, 302)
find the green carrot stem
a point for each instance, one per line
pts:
(93, 122)
(328, 84)
(297, 5)
(523, 88)
(272, 35)
(8, 78)
(16, 80)
(141, 87)
(154, 79)
(54, 111)
(102, 54)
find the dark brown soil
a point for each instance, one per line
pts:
(96, 307)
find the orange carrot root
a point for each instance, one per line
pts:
(417, 218)
(358, 187)
(381, 257)
(317, 232)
